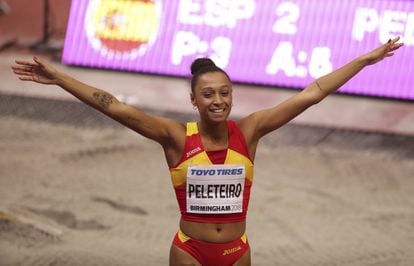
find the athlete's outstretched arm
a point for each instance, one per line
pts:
(155, 128)
(262, 122)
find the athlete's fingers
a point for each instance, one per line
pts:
(396, 39)
(22, 68)
(392, 43)
(39, 61)
(20, 72)
(26, 78)
(396, 46)
(27, 63)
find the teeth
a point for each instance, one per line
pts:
(217, 110)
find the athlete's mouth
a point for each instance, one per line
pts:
(217, 110)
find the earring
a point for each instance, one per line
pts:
(194, 107)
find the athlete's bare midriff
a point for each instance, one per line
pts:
(213, 232)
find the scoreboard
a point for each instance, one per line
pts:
(284, 43)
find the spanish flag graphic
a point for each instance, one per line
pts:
(119, 27)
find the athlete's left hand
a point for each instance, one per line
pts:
(385, 50)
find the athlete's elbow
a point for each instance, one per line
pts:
(313, 95)
(118, 111)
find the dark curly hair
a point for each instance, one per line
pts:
(201, 66)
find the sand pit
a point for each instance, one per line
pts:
(73, 194)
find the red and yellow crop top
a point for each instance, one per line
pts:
(210, 191)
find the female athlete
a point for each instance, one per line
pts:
(211, 160)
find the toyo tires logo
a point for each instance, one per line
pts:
(122, 29)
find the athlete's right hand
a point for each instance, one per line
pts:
(38, 71)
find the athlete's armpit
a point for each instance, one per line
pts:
(140, 122)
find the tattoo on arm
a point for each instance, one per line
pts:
(103, 99)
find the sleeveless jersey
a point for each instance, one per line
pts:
(208, 192)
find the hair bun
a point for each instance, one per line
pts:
(201, 63)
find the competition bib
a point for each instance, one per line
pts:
(215, 189)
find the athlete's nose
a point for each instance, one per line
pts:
(217, 99)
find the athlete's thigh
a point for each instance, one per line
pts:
(179, 257)
(245, 260)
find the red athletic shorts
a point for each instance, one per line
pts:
(207, 253)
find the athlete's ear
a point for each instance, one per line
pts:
(192, 98)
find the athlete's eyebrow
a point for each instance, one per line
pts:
(207, 88)
(218, 87)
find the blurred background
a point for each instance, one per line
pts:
(334, 186)
(23, 22)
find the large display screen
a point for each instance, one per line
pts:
(277, 43)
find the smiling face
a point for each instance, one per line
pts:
(213, 96)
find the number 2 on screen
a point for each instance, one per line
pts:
(287, 15)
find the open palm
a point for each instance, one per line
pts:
(36, 70)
